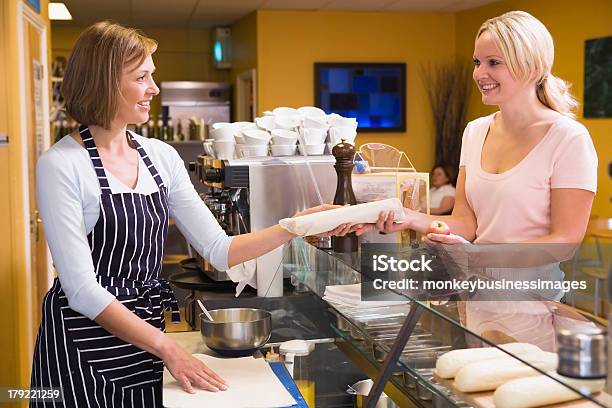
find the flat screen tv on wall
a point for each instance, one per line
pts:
(374, 93)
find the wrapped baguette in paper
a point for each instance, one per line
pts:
(324, 221)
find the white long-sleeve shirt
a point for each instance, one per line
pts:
(68, 195)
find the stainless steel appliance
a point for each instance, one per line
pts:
(252, 194)
(184, 100)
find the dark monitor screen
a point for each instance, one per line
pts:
(373, 93)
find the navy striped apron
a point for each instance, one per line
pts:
(93, 367)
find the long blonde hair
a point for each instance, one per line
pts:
(528, 49)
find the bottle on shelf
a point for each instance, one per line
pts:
(203, 130)
(163, 133)
(150, 128)
(170, 131)
(157, 132)
(179, 131)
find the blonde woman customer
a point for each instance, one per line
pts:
(105, 195)
(528, 172)
(442, 191)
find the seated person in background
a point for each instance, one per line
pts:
(442, 192)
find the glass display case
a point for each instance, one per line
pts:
(403, 339)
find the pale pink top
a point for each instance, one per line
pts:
(514, 206)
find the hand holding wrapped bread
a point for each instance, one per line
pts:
(319, 222)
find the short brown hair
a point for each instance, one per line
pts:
(92, 80)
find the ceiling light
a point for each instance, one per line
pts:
(58, 11)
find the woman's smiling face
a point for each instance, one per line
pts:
(137, 90)
(491, 73)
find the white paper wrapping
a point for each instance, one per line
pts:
(324, 221)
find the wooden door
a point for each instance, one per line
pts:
(8, 341)
(246, 109)
(35, 129)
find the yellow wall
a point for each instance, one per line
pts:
(570, 23)
(182, 54)
(290, 42)
(244, 49)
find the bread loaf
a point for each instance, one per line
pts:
(450, 363)
(542, 390)
(487, 375)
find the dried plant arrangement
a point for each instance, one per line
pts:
(448, 91)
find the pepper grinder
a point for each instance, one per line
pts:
(344, 154)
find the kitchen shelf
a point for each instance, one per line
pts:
(419, 329)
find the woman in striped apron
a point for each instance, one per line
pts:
(105, 196)
(126, 248)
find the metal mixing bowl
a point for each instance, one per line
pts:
(236, 332)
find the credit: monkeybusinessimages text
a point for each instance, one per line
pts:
(478, 285)
(385, 263)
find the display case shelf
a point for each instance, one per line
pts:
(417, 329)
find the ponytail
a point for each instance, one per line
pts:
(554, 93)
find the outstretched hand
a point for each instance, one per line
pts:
(385, 224)
(191, 372)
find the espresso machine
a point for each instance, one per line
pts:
(251, 194)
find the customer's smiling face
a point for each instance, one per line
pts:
(137, 90)
(493, 78)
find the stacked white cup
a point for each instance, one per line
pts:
(314, 130)
(341, 128)
(284, 142)
(256, 143)
(309, 125)
(223, 143)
